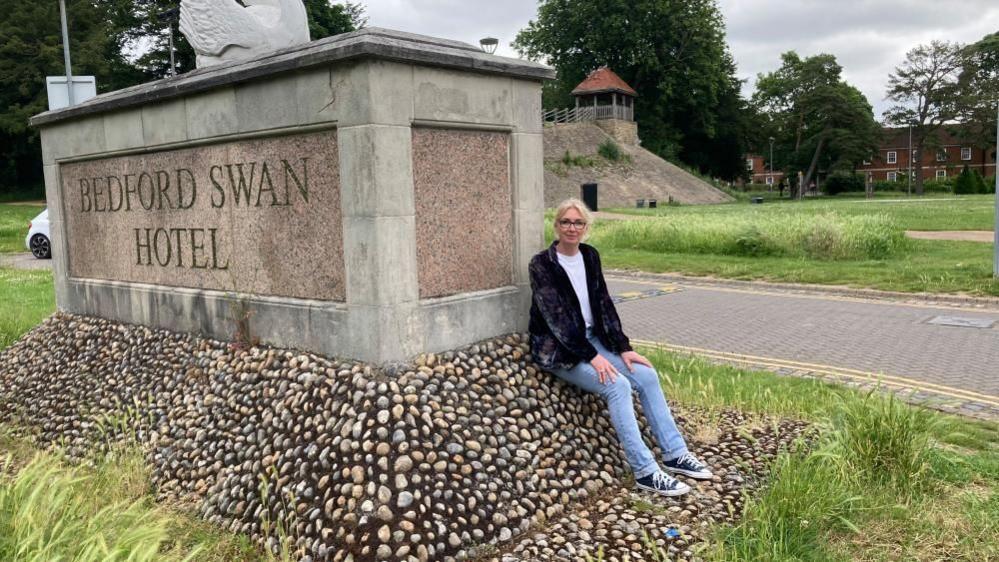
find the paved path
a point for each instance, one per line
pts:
(945, 355)
(24, 260)
(961, 235)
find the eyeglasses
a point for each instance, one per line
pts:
(567, 224)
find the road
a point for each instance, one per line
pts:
(942, 353)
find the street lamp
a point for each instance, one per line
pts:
(170, 16)
(771, 176)
(489, 44)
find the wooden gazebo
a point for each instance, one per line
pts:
(608, 95)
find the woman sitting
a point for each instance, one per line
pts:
(576, 334)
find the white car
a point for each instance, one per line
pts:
(38, 239)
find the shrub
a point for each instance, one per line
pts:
(610, 150)
(843, 182)
(969, 182)
(938, 186)
(570, 159)
(826, 237)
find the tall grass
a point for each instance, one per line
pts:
(49, 512)
(874, 456)
(828, 236)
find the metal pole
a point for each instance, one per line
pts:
(65, 51)
(173, 63)
(910, 160)
(771, 164)
(995, 227)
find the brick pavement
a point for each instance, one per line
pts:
(824, 335)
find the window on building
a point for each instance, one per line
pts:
(749, 164)
(770, 180)
(892, 176)
(965, 153)
(892, 157)
(942, 155)
(941, 174)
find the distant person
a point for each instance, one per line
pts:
(780, 189)
(576, 334)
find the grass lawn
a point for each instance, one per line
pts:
(931, 212)
(929, 266)
(835, 241)
(14, 226)
(26, 298)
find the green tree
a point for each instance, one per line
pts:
(672, 52)
(30, 50)
(817, 120)
(979, 83)
(106, 37)
(926, 90)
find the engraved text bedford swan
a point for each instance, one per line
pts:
(246, 184)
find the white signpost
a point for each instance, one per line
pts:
(84, 88)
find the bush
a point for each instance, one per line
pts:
(825, 237)
(570, 159)
(885, 185)
(611, 151)
(970, 181)
(842, 183)
(938, 186)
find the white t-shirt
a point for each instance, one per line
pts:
(574, 267)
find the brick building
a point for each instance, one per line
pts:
(759, 171)
(944, 156)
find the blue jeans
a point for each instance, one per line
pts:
(622, 408)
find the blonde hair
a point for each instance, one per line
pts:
(573, 203)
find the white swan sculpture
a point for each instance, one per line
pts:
(223, 30)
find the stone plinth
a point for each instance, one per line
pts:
(372, 195)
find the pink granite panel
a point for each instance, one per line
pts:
(254, 216)
(464, 217)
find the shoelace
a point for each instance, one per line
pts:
(689, 458)
(662, 480)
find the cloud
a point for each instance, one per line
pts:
(868, 37)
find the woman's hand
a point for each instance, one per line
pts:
(630, 357)
(604, 369)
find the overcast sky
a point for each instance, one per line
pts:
(868, 37)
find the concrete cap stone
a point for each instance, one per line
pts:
(372, 42)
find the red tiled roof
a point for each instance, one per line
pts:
(601, 80)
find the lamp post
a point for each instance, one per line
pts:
(771, 176)
(909, 179)
(65, 52)
(489, 44)
(170, 16)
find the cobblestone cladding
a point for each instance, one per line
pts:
(471, 454)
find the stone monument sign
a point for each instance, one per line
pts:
(372, 195)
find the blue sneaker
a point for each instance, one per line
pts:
(688, 465)
(662, 483)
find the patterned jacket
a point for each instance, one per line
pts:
(558, 332)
